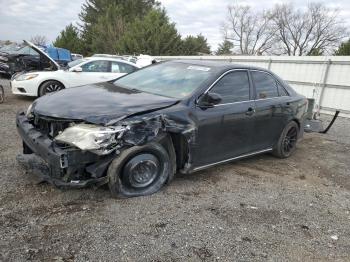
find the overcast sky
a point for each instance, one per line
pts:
(21, 19)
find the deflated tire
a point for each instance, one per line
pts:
(139, 171)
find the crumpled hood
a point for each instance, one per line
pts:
(102, 103)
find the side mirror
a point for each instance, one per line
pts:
(209, 100)
(77, 69)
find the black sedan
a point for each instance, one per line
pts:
(181, 116)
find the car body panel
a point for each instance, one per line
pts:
(228, 122)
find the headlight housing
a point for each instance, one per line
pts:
(26, 77)
(98, 139)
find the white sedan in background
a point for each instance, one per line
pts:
(79, 72)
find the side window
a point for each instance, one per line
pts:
(115, 67)
(281, 90)
(118, 67)
(233, 87)
(265, 85)
(96, 66)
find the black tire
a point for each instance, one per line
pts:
(50, 87)
(287, 142)
(140, 171)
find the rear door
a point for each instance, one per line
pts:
(226, 130)
(272, 109)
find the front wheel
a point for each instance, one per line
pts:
(50, 87)
(287, 142)
(139, 171)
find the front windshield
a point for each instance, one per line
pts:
(172, 79)
(76, 62)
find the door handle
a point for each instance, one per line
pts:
(250, 111)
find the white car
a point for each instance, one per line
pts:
(79, 72)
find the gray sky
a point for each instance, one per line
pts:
(21, 19)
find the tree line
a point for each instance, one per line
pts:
(143, 27)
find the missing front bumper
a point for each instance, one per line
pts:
(41, 170)
(60, 167)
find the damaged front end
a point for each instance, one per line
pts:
(57, 163)
(26, 59)
(75, 153)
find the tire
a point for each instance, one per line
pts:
(287, 142)
(50, 87)
(140, 171)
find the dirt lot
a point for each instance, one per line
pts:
(261, 208)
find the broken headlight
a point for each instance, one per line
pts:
(98, 139)
(29, 113)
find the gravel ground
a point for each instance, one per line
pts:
(260, 208)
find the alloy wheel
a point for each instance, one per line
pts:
(53, 88)
(290, 140)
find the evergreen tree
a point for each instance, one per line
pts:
(153, 35)
(107, 30)
(69, 39)
(225, 48)
(344, 49)
(195, 45)
(101, 17)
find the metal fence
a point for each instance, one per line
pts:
(324, 78)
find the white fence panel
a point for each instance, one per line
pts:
(325, 78)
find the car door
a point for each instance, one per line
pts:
(226, 130)
(95, 71)
(272, 109)
(119, 69)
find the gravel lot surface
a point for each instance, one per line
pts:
(258, 209)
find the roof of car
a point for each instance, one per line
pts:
(217, 64)
(223, 66)
(110, 59)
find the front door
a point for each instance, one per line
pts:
(226, 130)
(93, 72)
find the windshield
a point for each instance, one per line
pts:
(76, 62)
(171, 79)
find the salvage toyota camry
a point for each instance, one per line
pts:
(181, 116)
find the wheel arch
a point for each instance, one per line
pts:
(296, 121)
(47, 80)
(181, 149)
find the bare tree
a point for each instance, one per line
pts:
(38, 40)
(250, 31)
(315, 30)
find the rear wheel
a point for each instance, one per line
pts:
(287, 142)
(139, 171)
(50, 87)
